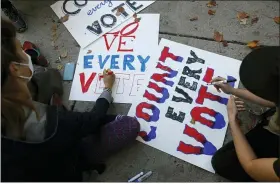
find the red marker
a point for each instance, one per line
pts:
(108, 73)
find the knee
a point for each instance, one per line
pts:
(217, 162)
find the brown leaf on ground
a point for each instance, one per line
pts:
(137, 19)
(135, 15)
(218, 36)
(64, 18)
(242, 15)
(59, 67)
(194, 18)
(54, 27)
(53, 43)
(192, 121)
(253, 44)
(277, 20)
(118, 13)
(243, 21)
(225, 43)
(211, 12)
(254, 20)
(89, 51)
(64, 53)
(211, 4)
(120, 9)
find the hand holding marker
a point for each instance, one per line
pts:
(222, 82)
(108, 72)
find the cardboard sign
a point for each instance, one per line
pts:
(127, 51)
(179, 113)
(89, 20)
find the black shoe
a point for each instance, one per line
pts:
(13, 14)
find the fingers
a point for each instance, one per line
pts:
(217, 88)
(239, 104)
(217, 79)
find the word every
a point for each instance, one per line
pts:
(127, 61)
(106, 20)
(196, 113)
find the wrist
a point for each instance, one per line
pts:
(108, 87)
(233, 91)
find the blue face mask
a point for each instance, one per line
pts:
(29, 65)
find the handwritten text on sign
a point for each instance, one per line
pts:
(124, 51)
(178, 112)
(91, 19)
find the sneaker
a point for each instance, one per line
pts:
(34, 52)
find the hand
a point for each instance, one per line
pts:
(226, 88)
(231, 109)
(108, 79)
(239, 104)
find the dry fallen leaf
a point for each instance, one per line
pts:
(120, 9)
(253, 44)
(64, 18)
(53, 43)
(135, 15)
(59, 67)
(225, 44)
(218, 36)
(242, 15)
(194, 18)
(211, 12)
(137, 19)
(192, 121)
(54, 27)
(277, 20)
(211, 4)
(53, 33)
(64, 53)
(243, 21)
(254, 20)
(118, 13)
(89, 51)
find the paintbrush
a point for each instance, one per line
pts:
(222, 82)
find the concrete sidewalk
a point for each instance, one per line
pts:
(174, 25)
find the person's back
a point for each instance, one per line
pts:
(48, 143)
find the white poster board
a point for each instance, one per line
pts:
(175, 110)
(127, 51)
(89, 20)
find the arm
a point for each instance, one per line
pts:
(90, 122)
(258, 169)
(240, 93)
(247, 95)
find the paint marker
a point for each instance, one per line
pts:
(135, 177)
(107, 72)
(222, 82)
(145, 176)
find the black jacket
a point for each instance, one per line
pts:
(57, 157)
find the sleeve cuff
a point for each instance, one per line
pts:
(107, 94)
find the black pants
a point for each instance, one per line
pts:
(264, 143)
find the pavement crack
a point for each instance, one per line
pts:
(202, 38)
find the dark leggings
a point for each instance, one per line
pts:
(114, 133)
(264, 143)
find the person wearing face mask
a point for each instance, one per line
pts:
(44, 143)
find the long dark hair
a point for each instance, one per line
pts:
(14, 95)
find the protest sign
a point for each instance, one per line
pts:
(179, 113)
(127, 51)
(89, 20)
